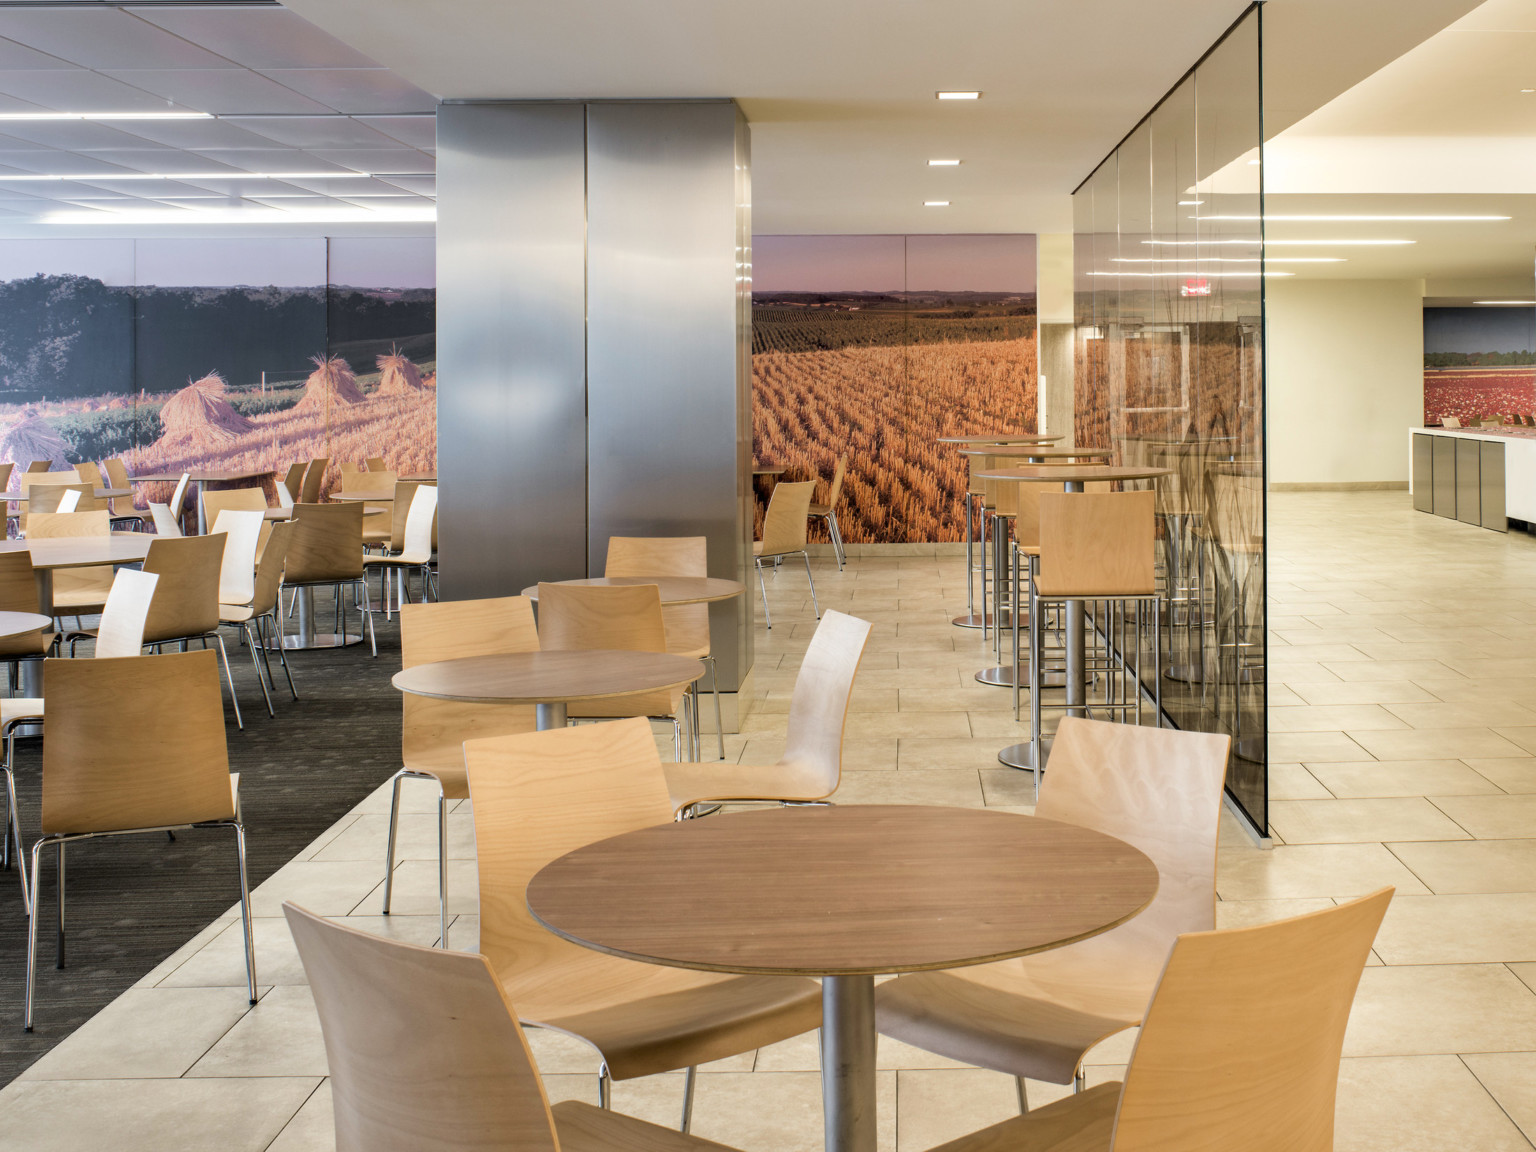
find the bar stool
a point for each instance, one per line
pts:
(974, 492)
(1096, 547)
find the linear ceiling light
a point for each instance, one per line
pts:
(943, 163)
(958, 95)
(1277, 243)
(1353, 219)
(181, 216)
(1230, 259)
(935, 203)
(106, 116)
(109, 177)
(1250, 274)
(1190, 203)
(1507, 303)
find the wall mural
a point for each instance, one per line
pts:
(1479, 363)
(218, 354)
(878, 345)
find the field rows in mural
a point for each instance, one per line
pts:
(886, 407)
(1473, 393)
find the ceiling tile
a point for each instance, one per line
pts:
(358, 90)
(268, 159)
(153, 159)
(315, 131)
(19, 56)
(74, 90)
(224, 90)
(404, 160)
(64, 162)
(72, 135)
(102, 37)
(415, 131)
(421, 185)
(258, 37)
(190, 133)
(345, 187)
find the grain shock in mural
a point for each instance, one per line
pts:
(876, 346)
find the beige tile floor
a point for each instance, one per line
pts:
(1403, 671)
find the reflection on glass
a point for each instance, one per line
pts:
(1169, 372)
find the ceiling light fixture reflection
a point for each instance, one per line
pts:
(943, 163)
(958, 95)
(1357, 219)
(1507, 303)
(1249, 274)
(1253, 243)
(935, 203)
(112, 177)
(106, 116)
(183, 216)
(1230, 259)
(1190, 203)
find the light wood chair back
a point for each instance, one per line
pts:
(136, 742)
(835, 490)
(1240, 1047)
(18, 593)
(433, 732)
(1450, 422)
(5, 476)
(52, 498)
(237, 574)
(117, 473)
(187, 600)
(28, 479)
(784, 524)
(1097, 544)
(628, 618)
(376, 464)
(121, 632)
(166, 522)
(232, 500)
(313, 475)
(55, 525)
(39, 466)
(395, 1017)
(179, 495)
(292, 486)
(1026, 520)
(818, 708)
(417, 544)
(90, 473)
(536, 797)
(328, 545)
(405, 491)
(687, 625)
(74, 587)
(269, 566)
(348, 468)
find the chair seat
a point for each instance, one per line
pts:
(401, 560)
(644, 1018)
(454, 781)
(20, 708)
(1084, 1122)
(712, 783)
(1051, 592)
(820, 510)
(584, 1128)
(235, 613)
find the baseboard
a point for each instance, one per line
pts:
(1344, 486)
(949, 548)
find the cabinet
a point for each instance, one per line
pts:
(1461, 479)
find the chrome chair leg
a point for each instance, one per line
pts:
(688, 1082)
(389, 843)
(230, 677)
(282, 655)
(604, 1088)
(714, 681)
(442, 867)
(245, 911)
(250, 642)
(58, 959)
(37, 861)
(806, 556)
(1023, 1095)
(767, 615)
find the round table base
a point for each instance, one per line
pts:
(1186, 673)
(1021, 756)
(1249, 748)
(318, 640)
(1000, 677)
(973, 620)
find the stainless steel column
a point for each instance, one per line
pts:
(848, 1063)
(511, 308)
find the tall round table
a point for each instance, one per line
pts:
(843, 893)
(1072, 477)
(548, 680)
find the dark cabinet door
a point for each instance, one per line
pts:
(1424, 473)
(1445, 476)
(1491, 486)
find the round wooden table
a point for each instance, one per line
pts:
(844, 893)
(674, 589)
(14, 624)
(101, 493)
(768, 469)
(549, 680)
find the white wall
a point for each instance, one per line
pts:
(1346, 377)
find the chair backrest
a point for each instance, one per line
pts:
(187, 599)
(179, 495)
(30, 478)
(574, 617)
(536, 797)
(328, 545)
(269, 566)
(836, 488)
(1450, 421)
(417, 545)
(687, 625)
(784, 524)
(52, 498)
(405, 492)
(1240, 1046)
(136, 742)
(39, 466)
(54, 525)
(292, 486)
(237, 573)
(117, 473)
(1097, 544)
(348, 467)
(1155, 788)
(432, 732)
(818, 708)
(166, 522)
(376, 464)
(5, 476)
(395, 1017)
(18, 593)
(380, 484)
(89, 472)
(313, 475)
(233, 500)
(123, 616)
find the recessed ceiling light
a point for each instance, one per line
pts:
(1507, 303)
(958, 95)
(1255, 242)
(943, 163)
(1527, 91)
(106, 116)
(111, 177)
(1249, 274)
(340, 215)
(1230, 259)
(1190, 203)
(935, 203)
(1354, 219)
(1254, 163)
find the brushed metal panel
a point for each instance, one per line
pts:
(1424, 473)
(511, 396)
(1445, 476)
(1468, 482)
(666, 373)
(1492, 486)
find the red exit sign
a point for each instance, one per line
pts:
(1195, 286)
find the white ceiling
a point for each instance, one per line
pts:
(288, 99)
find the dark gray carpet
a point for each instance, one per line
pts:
(133, 900)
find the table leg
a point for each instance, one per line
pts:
(848, 1062)
(32, 670)
(306, 636)
(551, 715)
(202, 514)
(1077, 688)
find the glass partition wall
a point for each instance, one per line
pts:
(1169, 268)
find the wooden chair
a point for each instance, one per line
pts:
(117, 477)
(178, 499)
(134, 745)
(327, 549)
(376, 464)
(1450, 422)
(60, 498)
(1240, 1048)
(536, 797)
(292, 486)
(39, 466)
(349, 468)
(1037, 1016)
(574, 618)
(18, 593)
(313, 475)
(27, 481)
(811, 767)
(120, 633)
(242, 530)
(391, 1012)
(400, 511)
(376, 517)
(233, 500)
(828, 512)
(687, 625)
(432, 732)
(166, 522)
(76, 591)
(785, 527)
(186, 604)
(416, 546)
(253, 616)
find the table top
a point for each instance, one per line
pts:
(1041, 453)
(768, 469)
(1076, 472)
(419, 478)
(201, 477)
(277, 514)
(371, 497)
(674, 589)
(101, 494)
(549, 677)
(1003, 438)
(83, 551)
(14, 624)
(844, 890)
